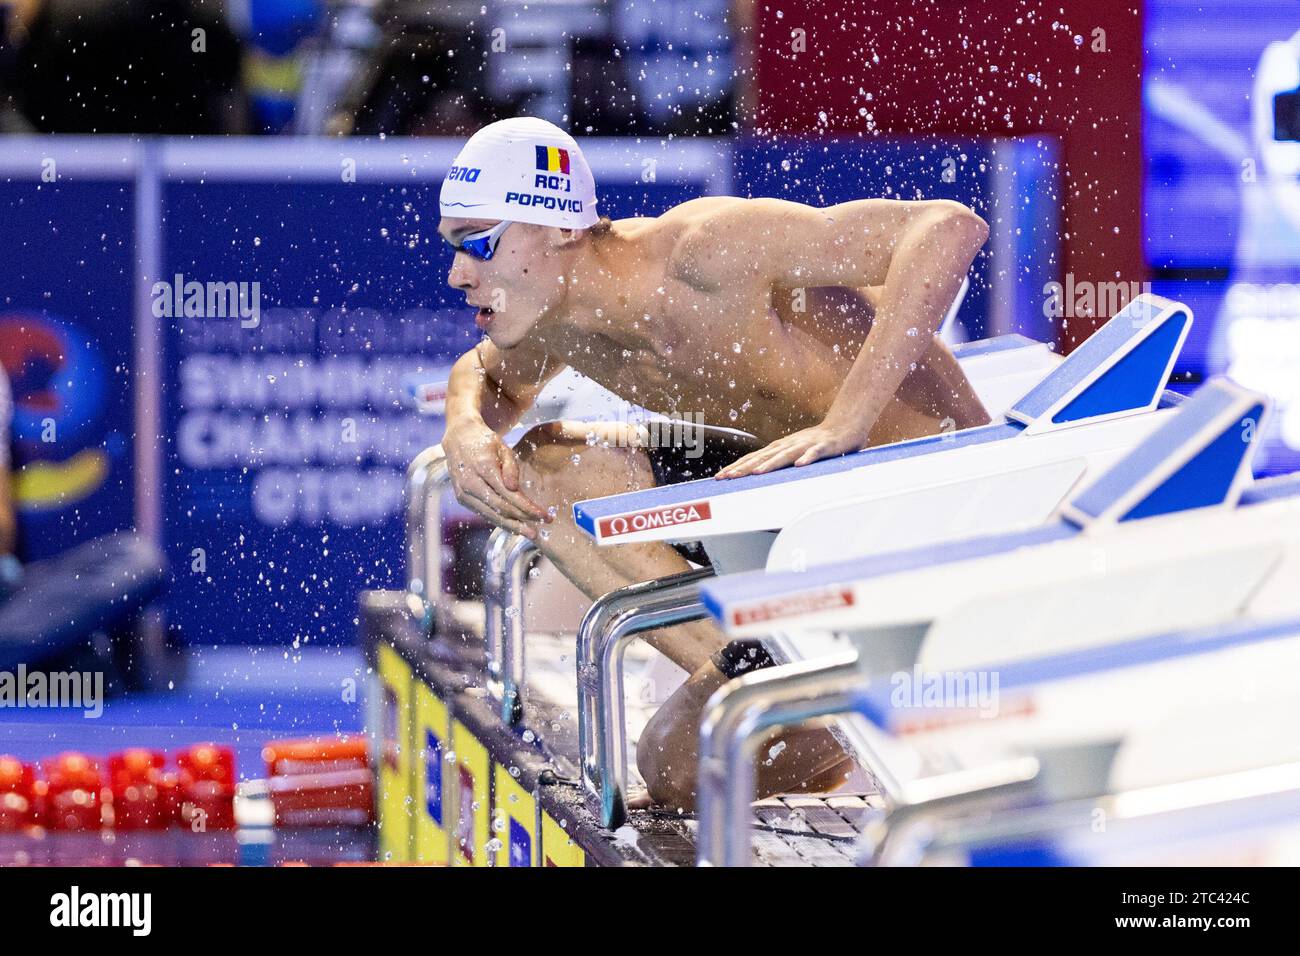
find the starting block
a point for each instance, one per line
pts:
(1243, 819)
(1173, 536)
(1219, 734)
(1077, 418)
(1085, 412)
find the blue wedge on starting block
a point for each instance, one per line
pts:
(1198, 459)
(1203, 446)
(1121, 369)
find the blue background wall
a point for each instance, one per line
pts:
(270, 539)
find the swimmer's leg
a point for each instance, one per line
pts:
(799, 760)
(559, 467)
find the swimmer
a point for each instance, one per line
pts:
(812, 332)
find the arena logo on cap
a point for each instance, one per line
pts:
(789, 607)
(466, 174)
(664, 517)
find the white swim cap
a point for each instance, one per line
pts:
(524, 170)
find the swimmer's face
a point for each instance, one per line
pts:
(518, 285)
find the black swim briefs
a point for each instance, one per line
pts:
(685, 452)
(682, 451)
(699, 452)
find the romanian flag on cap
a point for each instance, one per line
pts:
(552, 159)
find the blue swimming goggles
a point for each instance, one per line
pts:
(481, 245)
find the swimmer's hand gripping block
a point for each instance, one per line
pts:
(1121, 370)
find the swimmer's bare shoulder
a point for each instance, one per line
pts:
(767, 240)
(664, 236)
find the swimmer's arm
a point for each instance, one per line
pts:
(915, 252)
(872, 294)
(496, 387)
(927, 258)
(918, 251)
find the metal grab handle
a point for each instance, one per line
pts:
(906, 831)
(736, 717)
(426, 477)
(744, 710)
(503, 627)
(1053, 776)
(494, 567)
(512, 663)
(612, 622)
